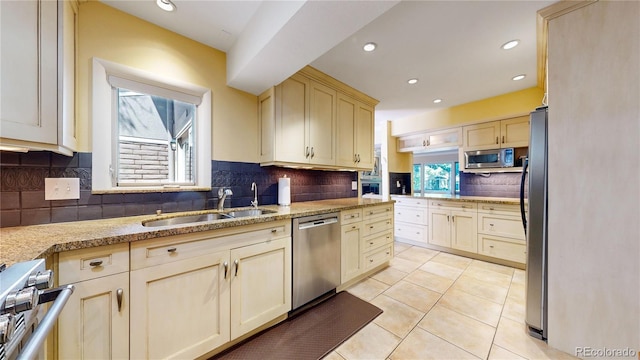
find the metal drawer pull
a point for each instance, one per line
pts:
(371, 227)
(491, 246)
(388, 253)
(95, 263)
(237, 264)
(353, 216)
(490, 224)
(119, 294)
(371, 243)
(353, 226)
(370, 260)
(490, 208)
(273, 231)
(226, 267)
(172, 250)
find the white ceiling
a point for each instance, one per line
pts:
(452, 47)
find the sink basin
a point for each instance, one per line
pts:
(186, 219)
(250, 212)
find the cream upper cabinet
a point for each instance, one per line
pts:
(432, 140)
(37, 65)
(355, 126)
(312, 119)
(94, 324)
(512, 132)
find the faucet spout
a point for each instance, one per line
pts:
(222, 196)
(254, 187)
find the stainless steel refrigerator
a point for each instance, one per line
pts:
(534, 219)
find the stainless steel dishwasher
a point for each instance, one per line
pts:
(316, 258)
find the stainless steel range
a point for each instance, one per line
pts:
(24, 321)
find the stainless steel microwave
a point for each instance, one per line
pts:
(486, 159)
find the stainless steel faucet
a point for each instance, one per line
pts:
(222, 196)
(254, 187)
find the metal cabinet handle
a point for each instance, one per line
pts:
(491, 246)
(490, 224)
(371, 227)
(226, 268)
(424, 143)
(306, 152)
(370, 260)
(95, 263)
(312, 153)
(447, 218)
(237, 264)
(172, 250)
(490, 208)
(371, 243)
(119, 294)
(388, 253)
(428, 142)
(503, 139)
(453, 218)
(355, 158)
(496, 140)
(273, 231)
(353, 226)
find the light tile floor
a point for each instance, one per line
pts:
(442, 306)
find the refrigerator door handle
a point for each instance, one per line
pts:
(523, 214)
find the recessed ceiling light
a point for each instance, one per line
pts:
(519, 77)
(370, 46)
(412, 81)
(437, 101)
(166, 5)
(510, 44)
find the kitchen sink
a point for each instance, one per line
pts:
(187, 219)
(250, 212)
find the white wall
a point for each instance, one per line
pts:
(594, 178)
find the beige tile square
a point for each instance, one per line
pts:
(479, 264)
(422, 345)
(413, 295)
(397, 317)
(498, 353)
(333, 356)
(404, 265)
(473, 306)
(467, 333)
(514, 310)
(517, 292)
(418, 254)
(371, 342)
(489, 276)
(389, 275)
(399, 247)
(368, 289)
(513, 336)
(441, 269)
(430, 281)
(518, 276)
(480, 288)
(456, 261)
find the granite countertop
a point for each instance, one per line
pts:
(478, 199)
(24, 243)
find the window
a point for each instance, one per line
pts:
(148, 132)
(436, 174)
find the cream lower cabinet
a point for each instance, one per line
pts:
(377, 236)
(411, 220)
(350, 244)
(195, 292)
(94, 323)
(500, 232)
(453, 224)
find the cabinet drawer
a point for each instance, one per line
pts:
(501, 225)
(377, 257)
(377, 211)
(410, 201)
(503, 248)
(499, 209)
(175, 248)
(85, 264)
(454, 205)
(350, 216)
(411, 215)
(377, 240)
(411, 232)
(376, 226)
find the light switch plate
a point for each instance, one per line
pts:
(61, 188)
(354, 185)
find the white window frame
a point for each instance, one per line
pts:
(104, 119)
(449, 157)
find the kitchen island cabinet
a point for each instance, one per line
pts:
(453, 224)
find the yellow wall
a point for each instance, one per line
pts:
(112, 35)
(494, 108)
(399, 162)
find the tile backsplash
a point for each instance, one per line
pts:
(493, 184)
(22, 189)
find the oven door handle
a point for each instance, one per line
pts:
(60, 295)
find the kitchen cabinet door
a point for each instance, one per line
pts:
(464, 232)
(181, 307)
(350, 251)
(260, 284)
(515, 132)
(439, 227)
(94, 323)
(322, 125)
(364, 137)
(347, 110)
(482, 136)
(291, 120)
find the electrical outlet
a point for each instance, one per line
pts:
(354, 185)
(61, 188)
